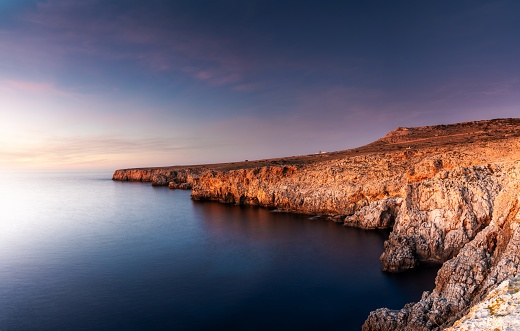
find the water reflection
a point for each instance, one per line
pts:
(80, 252)
(322, 262)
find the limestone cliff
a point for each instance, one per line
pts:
(436, 194)
(449, 194)
(492, 256)
(173, 177)
(499, 311)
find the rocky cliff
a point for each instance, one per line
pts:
(448, 193)
(173, 177)
(499, 311)
(491, 257)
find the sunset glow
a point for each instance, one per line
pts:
(104, 85)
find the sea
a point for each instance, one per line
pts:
(79, 251)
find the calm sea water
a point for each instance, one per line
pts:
(81, 252)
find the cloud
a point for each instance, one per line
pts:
(500, 88)
(71, 36)
(31, 87)
(59, 33)
(75, 150)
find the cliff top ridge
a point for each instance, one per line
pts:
(495, 128)
(403, 138)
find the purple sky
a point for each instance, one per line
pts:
(97, 84)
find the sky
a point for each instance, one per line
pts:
(99, 84)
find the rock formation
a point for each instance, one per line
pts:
(491, 257)
(500, 310)
(173, 177)
(449, 194)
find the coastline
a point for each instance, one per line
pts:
(448, 194)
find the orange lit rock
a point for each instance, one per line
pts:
(449, 193)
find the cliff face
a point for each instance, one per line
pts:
(492, 256)
(440, 215)
(449, 194)
(173, 177)
(325, 188)
(434, 198)
(499, 311)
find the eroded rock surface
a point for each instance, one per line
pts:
(173, 177)
(463, 281)
(440, 215)
(500, 310)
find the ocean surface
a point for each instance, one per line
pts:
(81, 252)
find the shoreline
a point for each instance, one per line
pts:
(437, 189)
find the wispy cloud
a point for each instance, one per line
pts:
(32, 87)
(57, 31)
(68, 33)
(74, 150)
(500, 88)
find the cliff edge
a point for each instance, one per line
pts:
(449, 194)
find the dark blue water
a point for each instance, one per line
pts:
(81, 252)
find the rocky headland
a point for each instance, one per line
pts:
(449, 194)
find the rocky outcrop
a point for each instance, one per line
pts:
(379, 214)
(322, 188)
(463, 281)
(440, 215)
(500, 310)
(173, 177)
(448, 193)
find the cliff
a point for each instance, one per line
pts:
(491, 257)
(174, 177)
(448, 193)
(500, 310)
